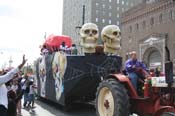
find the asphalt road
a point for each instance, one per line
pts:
(46, 108)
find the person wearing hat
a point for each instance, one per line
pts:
(135, 69)
(3, 90)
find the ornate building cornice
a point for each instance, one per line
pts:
(142, 10)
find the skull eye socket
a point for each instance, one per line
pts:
(115, 33)
(87, 31)
(94, 32)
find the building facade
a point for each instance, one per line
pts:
(100, 12)
(149, 29)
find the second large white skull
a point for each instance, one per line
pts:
(89, 35)
(111, 36)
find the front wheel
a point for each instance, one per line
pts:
(112, 99)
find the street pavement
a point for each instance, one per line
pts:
(46, 108)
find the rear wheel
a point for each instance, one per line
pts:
(112, 99)
(168, 114)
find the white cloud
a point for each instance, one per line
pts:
(23, 31)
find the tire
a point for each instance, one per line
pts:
(112, 99)
(168, 114)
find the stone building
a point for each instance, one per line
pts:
(149, 29)
(100, 12)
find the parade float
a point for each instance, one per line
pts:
(65, 78)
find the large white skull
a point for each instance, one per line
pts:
(89, 34)
(111, 36)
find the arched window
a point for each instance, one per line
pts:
(152, 21)
(171, 15)
(160, 18)
(137, 26)
(130, 29)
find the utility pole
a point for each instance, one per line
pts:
(83, 17)
(83, 21)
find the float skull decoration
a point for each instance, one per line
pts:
(58, 70)
(111, 36)
(42, 75)
(89, 34)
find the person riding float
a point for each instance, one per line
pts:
(135, 69)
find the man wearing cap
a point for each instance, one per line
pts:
(135, 69)
(3, 90)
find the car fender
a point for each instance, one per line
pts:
(126, 81)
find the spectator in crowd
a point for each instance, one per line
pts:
(25, 89)
(11, 95)
(31, 94)
(63, 47)
(44, 50)
(19, 94)
(152, 73)
(3, 90)
(14, 95)
(74, 50)
(157, 72)
(11, 111)
(135, 69)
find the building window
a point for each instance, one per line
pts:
(171, 15)
(110, 0)
(130, 29)
(103, 20)
(118, 23)
(160, 18)
(118, 15)
(123, 9)
(96, 20)
(97, 4)
(97, 12)
(127, 3)
(103, 13)
(110, 14)
(123, 2)
(103, 5)
(110, 22)
(144, 24)
(118, 1)
(137, 26)
(152, 21)
(110, 7)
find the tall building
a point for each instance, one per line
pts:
(149, 29)
(100, 12)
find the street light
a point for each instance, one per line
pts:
(77, 28)
(83, 21)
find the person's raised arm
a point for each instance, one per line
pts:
(9, 75)
(23, 62)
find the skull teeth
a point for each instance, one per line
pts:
(90, 41)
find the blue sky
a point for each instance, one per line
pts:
(23, 24)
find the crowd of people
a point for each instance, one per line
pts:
(14, 85)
